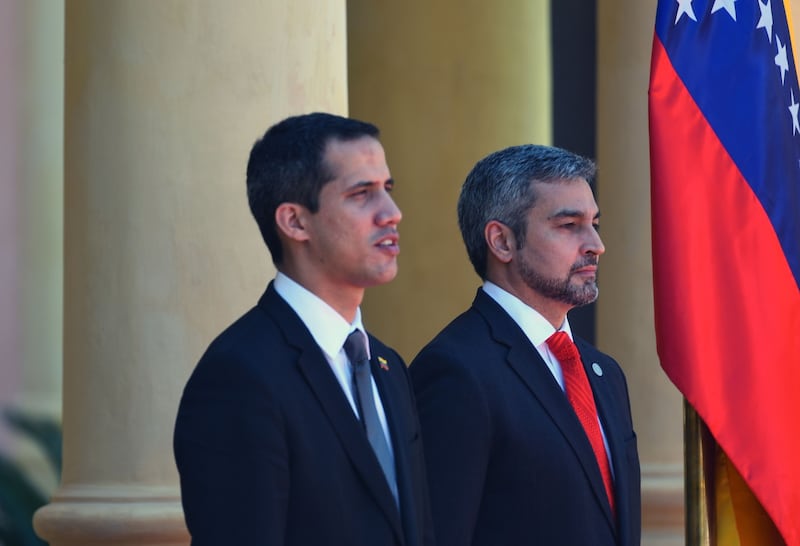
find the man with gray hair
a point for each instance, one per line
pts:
(527, 431)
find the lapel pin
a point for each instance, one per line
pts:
(383, 363)
(598, 371)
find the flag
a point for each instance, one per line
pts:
(725, 200)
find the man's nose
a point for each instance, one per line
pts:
(389, 213)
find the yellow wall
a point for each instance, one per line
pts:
(447, 83)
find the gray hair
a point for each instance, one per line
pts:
(500, 188)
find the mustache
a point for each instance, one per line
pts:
(589, 260)
(391, 232)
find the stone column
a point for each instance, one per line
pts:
(162, 102)
(447, 82)
(625, 326)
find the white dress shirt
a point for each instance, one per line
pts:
(329, 329)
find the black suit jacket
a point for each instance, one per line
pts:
(270, 452)
(508, 461)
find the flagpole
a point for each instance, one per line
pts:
(696, 493)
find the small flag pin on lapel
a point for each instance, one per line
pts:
(598, 371)
(384, 364)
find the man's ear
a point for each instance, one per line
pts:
(290, 218)
(500, 241)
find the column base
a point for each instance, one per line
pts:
(122, 515)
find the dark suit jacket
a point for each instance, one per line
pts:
(508, 461)
(270, 452)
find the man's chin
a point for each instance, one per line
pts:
(585, 294)
(383, 277)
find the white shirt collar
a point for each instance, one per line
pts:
(328, 328)
(533, 324)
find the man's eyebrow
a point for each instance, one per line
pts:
(368, 183)
(567, 213)
(571, 213)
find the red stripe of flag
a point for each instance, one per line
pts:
(727, 306)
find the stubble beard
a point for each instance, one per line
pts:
(563, 290)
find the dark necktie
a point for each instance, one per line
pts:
(356, 350)
(579, 393)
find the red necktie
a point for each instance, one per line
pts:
(580, 396)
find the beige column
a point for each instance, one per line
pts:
(163, 101)
(447, 82)
(625, 309)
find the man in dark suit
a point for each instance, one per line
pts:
(283, 435)
(528, 442)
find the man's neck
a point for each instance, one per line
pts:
(555, 312)
(344, 300)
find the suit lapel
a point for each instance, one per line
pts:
(327, 390)
(608, 408)
(526, 362)
(382, 371)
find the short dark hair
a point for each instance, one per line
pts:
(500, 187)
(287, 165)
